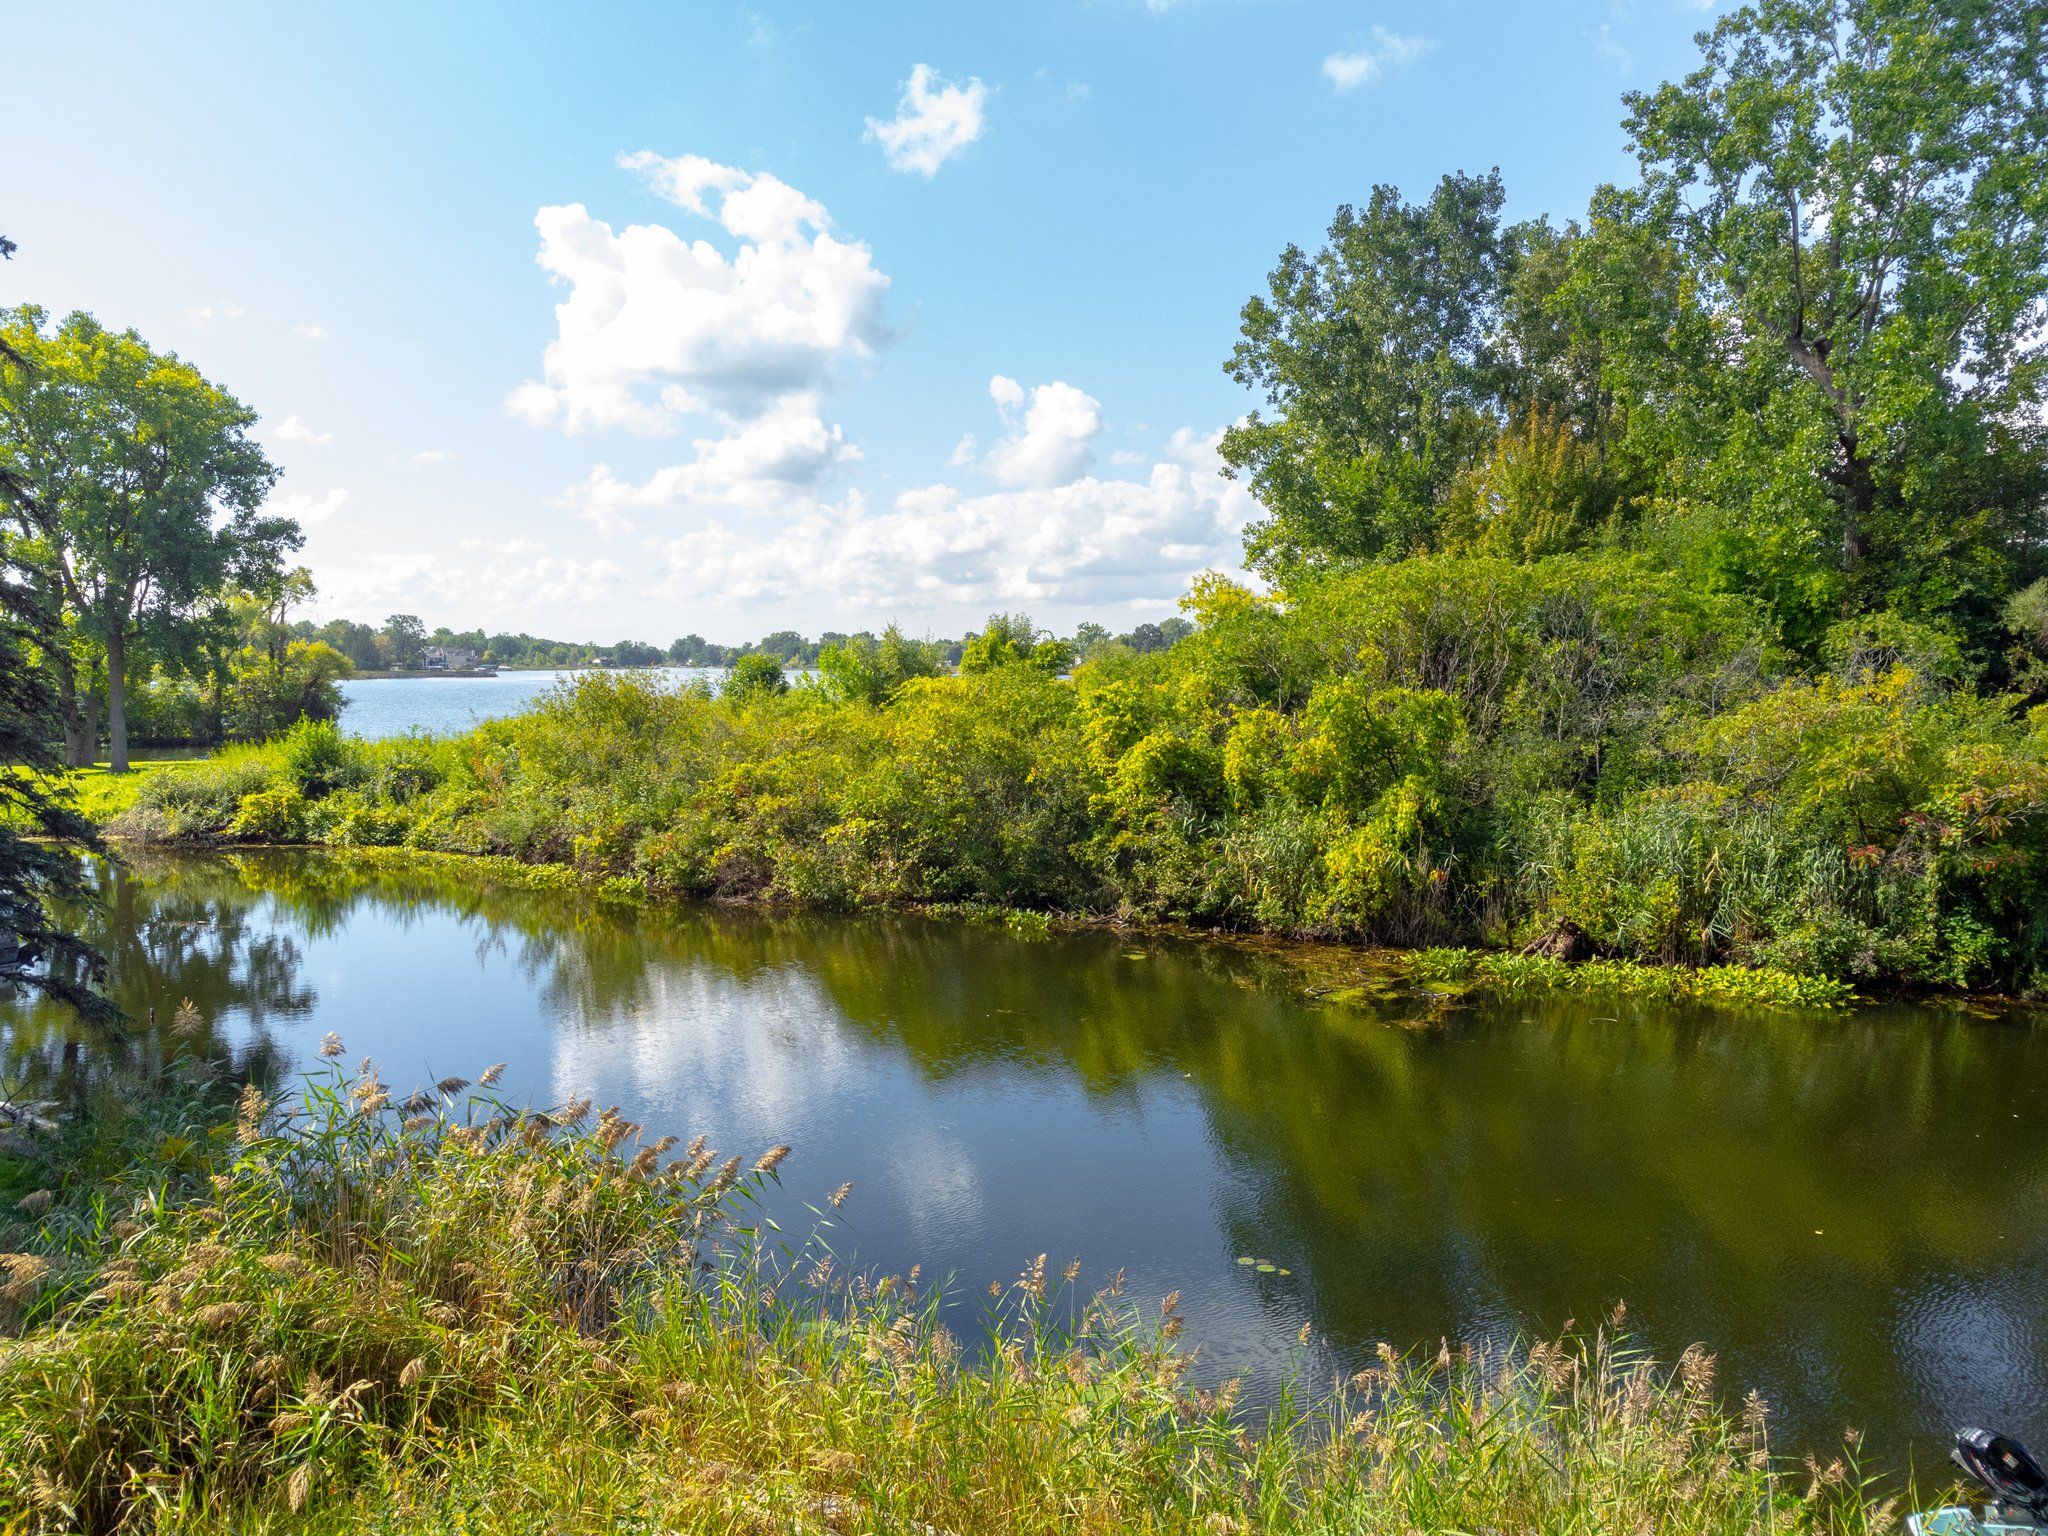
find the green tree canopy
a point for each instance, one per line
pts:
(754, 675)
(1379, 358)
(146, 487)
(1857, 194)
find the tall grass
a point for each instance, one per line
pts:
(444, 1313)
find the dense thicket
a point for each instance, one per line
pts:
(1584, 751)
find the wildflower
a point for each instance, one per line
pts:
(186, 1022)
(330, 1045)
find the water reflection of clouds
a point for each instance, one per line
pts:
(699, 1042)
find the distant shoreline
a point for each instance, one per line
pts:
(380, 676)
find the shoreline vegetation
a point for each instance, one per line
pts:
(1509, 770)
(343, 1311)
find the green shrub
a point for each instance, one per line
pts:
(317, 757)
(270, 816)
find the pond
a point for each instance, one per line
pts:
(1849, 1208)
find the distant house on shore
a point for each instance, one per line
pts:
(448, 658)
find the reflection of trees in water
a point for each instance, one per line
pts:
(172, 930)
(1519, 1165)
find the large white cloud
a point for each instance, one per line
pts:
(656, 327)
(1055, 442)
(934, 121)
(1088, 540)
(771, 462)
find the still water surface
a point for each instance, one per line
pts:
(374, 707)
(1853, 1210)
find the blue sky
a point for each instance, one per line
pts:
(869, 311)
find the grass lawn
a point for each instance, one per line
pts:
(102, 794)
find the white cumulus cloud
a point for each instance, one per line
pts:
(1055, 442)
(656, 327)
(306, 509)
(772, 462)
(310, 331)
(294, 429)
(1387, 50)
(1089, 540)
(934, 121)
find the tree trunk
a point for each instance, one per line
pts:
(117, 700)
(1859, 496)
(216, 711)
(81, 733)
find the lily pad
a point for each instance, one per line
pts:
(1247, 1260)
(1269, 1269)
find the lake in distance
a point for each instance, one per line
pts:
(374, 707)
(1849, 1208)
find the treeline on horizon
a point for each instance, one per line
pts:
(402, 642)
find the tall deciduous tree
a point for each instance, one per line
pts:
(148, 487)
(1378, 357)
(1858, 192)
(40, 831)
